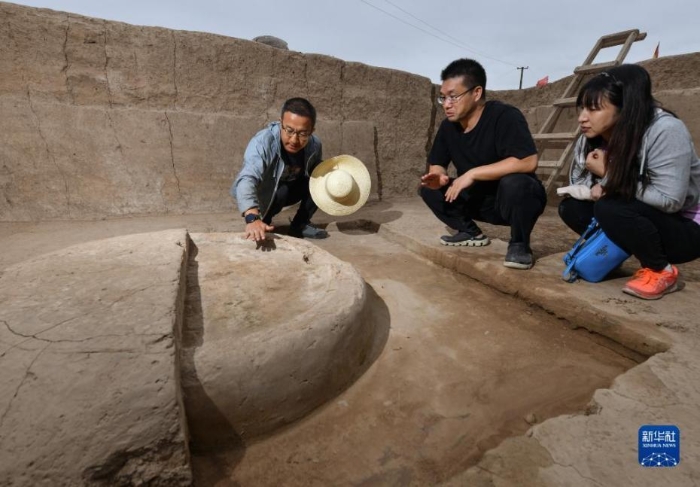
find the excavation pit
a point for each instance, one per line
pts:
(418, 410)
(463, 368)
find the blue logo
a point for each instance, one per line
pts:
(659, 446)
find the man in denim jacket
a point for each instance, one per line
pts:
(276, 167)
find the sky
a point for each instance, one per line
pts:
(549, 37)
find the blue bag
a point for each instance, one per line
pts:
(593, 256)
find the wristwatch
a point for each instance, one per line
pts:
(251, 217)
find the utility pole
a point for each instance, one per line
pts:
(522, 68)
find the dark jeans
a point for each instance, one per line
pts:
(289, 193)
(652, 236)
(516, 200)
(577, 214)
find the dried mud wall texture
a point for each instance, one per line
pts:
(106, 119)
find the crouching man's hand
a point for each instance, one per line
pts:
(256, 230)
(434, 181)
(458, 185)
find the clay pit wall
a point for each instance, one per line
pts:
(105, 119)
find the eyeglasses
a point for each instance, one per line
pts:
(453, 98)
(303, 135)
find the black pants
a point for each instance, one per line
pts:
(289, 193)
(652, 236)
(516, 200)
(577, 214)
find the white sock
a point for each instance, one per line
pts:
(668, 268)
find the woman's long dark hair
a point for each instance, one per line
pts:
(628, 87)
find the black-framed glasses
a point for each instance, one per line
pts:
(453, 98)
(301, 134)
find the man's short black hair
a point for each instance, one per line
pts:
(301, 107)
(472, 72)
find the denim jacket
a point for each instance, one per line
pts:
(256, 184)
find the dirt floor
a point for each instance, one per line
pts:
(467, 365)
(463, 368)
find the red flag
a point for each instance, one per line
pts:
(542, 82)
(656, 51)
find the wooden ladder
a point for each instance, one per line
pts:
(546, 138)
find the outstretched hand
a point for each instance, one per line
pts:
(434, 180)
(256, 230)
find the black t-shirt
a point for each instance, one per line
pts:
(501, 132)
(293, 165)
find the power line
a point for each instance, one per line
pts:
(456, 44)
(423, 22)
(446, 34)
(411, 25)
(500, 74)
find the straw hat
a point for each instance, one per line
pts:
(340, 185)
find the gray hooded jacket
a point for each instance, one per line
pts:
(669, 159)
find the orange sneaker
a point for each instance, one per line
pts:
(650, 284)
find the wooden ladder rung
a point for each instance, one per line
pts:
(565, 141)
(555, 137)
(620, 38)
(594, 68)
(546, 171)
(565, 102)
(543, 164)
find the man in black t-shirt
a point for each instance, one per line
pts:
(494, 154)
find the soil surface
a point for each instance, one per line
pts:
(404, 422)
(464, 367)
